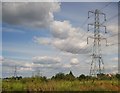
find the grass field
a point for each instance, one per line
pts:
(60, 85)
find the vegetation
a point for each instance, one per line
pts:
(62, 82)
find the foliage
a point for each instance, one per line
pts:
(62, 82)
(82, 76)
(118, 76)
(62, 76)
(59, 76)
(61, 85)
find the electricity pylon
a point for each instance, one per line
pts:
(15, 72)
(97, 64)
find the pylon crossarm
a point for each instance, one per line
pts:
(88, 38)
(105, 40)
(103, 15)
(90, 24)
(101, 25)
(89, 13)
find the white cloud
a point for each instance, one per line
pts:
(111, 68)
(25, 69)
(73, 45)
(115, 59)
(9, 29)
(65, 36)
(1, 58)
(113, 28)
(46, 60)
(74, 61)
(41, 40)
(35, 14)
(8, 67)
(67, 66)
(18, 63)
(63, 29)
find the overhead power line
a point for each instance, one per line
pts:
(113, 35)
(83, 34)
(109, 19)
(88, 18)
(105, 6)
(113, 44)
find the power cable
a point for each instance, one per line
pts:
(83, 25)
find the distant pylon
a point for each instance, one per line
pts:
(15, 71)
(97, 64)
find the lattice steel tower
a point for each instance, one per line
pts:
(97, 64)
(15, 72)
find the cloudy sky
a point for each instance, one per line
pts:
(52, 37)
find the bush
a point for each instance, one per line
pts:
(82, 76)
(70, 76)
(59, 76)
(117, 76)
(62, 76)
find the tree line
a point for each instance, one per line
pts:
(70, 77)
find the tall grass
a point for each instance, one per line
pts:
(60, 85)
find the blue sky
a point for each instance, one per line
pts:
(38, 32)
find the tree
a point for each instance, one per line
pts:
(82, 76)
(70, 76)
(59, 76)
(101, 76)
(62, 76)
(118, 76)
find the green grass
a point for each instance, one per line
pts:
(0, 84)
(61, 85)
